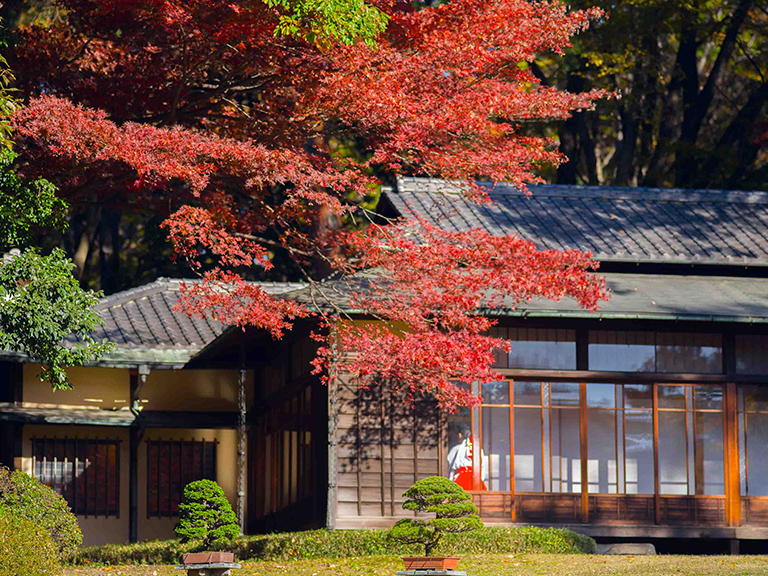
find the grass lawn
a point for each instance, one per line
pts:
(492, 565)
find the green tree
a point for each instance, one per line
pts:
(450, 503)
(43, 311)
(206, 515)
(693, 80)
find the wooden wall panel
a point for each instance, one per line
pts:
(385, 444)
(754, 511)
(548, 508)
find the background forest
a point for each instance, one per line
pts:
(693, 112)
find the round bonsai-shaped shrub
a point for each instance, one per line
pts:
(450, 503)
(206, 515)
(23, 495)
(26, 549)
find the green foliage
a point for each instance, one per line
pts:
(206, 515)
(41, 305)
(346, 544)
(8, 104)
(26, 549)
(22, 495)
(346, 21)
(26, 205)
(450, 503)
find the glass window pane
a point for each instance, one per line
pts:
(564, 393)
(673, 471)
(528, 470)
(622, 351)
(699, 353)
(495, 393)
(742, 455)
(709, 398)
(638, 440)
(527, 393)
(566, 448)
(638, 396)
(542, 348)
(496, 454)
(755, 398)
(672, 397)
(757, 454)
(752, 354)
(602, 472)
(601, 395)
(460, 448)
(708, 458)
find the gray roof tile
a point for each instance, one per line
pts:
(634, 296)
(145, 329)
(615, 224)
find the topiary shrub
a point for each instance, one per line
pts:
(451, 504)
(26, 549)
(206, 515)
(23, 495)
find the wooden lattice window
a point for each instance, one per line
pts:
(171, 465)
(85, 471)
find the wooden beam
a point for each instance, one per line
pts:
(620, 377)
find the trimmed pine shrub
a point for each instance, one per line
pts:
(206, 515)
(21, 494)
(452, 506)
(26, 549)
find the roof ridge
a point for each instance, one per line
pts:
(584, 191)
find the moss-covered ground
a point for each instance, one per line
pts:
(479, 565)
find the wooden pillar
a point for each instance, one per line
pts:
(656, 484)
(333, 422)
(732, 469)
(584, 453)
(512, 448)
(134, 438)
(241, 443)
(134, 435)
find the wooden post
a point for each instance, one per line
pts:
(732, 469)
(584, 453)
(134, 438)
(241, 441)
(656, 483)
(512, 448)
(333, 423)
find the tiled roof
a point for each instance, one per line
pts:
(634, 297)
(145, 329)
(141, 322)
(615, 224)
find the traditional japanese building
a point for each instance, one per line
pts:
(645, 419)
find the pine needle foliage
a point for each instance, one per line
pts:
(450, 503)
(206, 515)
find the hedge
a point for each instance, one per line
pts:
(22, 494)
(347, 543)
(26, 549)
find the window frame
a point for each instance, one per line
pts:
(81, 507)
(155, 511)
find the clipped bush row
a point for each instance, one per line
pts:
(26, 549)
(347, 543)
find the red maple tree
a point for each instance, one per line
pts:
(246, 135)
